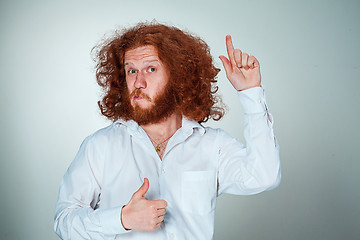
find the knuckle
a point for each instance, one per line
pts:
(153, 222)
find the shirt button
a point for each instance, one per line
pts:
(163, 171)
(259, 101)
(172, 235)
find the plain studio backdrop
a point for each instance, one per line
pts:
(309, 56)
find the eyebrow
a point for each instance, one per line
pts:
(149, 61)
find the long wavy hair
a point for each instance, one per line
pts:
(187, 57)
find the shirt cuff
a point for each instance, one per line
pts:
(253, 100)
(111, 221)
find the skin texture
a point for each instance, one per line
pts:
(149, 93)
(145, 73)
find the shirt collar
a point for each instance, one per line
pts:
(188, 126)
(132, 127)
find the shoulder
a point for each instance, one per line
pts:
(105, 136)
(220, 137)
(113, 130)
(216, 132)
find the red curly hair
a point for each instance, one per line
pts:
(187, 57)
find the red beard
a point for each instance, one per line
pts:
(164, 104)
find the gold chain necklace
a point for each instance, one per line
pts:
(157, 147)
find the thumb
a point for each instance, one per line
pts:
(226, 63)
(143, 189)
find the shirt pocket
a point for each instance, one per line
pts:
(198, 191)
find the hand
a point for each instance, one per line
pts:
(141, 214)
(243, 71)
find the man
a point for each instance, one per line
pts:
(156, 171)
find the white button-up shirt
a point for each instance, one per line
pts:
(199, 164)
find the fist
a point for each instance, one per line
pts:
(141, 214)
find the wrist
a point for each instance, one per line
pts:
(123, 217)
(248, 87)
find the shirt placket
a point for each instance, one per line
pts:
(165, 176)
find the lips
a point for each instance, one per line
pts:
(136, 97)
(137, 94)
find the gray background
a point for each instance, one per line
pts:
(309, 55)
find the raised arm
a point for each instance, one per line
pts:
(255, 166)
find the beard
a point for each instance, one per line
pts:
(164, 104)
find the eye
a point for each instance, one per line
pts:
(131, 71)
(151, 69)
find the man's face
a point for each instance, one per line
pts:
(146, 76)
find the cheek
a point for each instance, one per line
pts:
(163, 85)
(128, 85)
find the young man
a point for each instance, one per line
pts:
(156, 171)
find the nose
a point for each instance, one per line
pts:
(140, 81)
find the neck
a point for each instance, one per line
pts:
(164, 128)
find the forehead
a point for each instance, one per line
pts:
(144, 53)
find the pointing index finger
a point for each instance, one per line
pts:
(230, 50)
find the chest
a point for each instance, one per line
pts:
(188, 168)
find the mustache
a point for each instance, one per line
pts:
(139, 93)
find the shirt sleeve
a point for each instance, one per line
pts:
(254, 167)
(76, 214)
